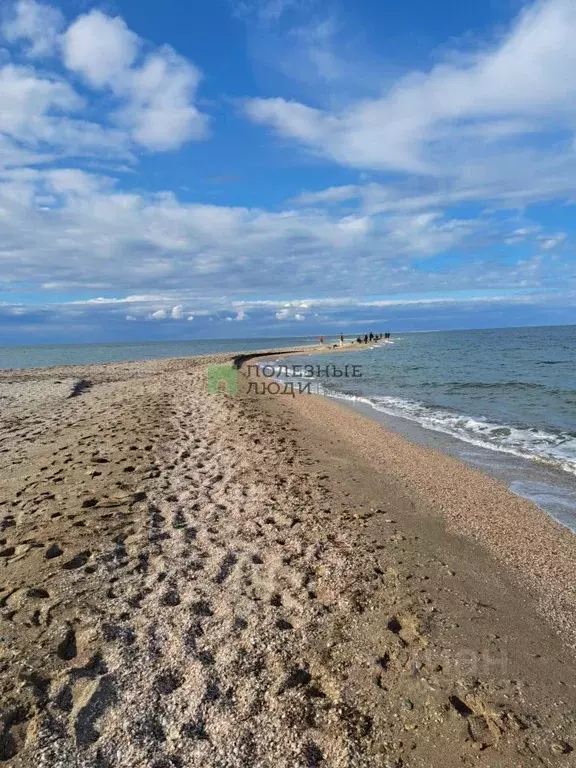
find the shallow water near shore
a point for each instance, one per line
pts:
(503, 401)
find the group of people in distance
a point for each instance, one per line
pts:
(370, 337)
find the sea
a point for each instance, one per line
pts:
(85, 354)
(501, 400)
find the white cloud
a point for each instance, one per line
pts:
(216, 315)
(73, 181)
(35, 23)
(79, 230)
(100, 48)
(265, 11)
(39, 123)
(28, 101)
(328, 196)
(160, 112)
(66, 228)
(158, 92)
(312, 44)
(549, 243)
(144, 96)
(289, 313)
(457, 121)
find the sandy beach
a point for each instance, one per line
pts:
(222, 581)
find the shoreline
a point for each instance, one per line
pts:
(551, 488)
(465, 498)
(531, 477)
(255, 581)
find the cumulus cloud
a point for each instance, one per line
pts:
(106, 319)
(67, 228)
(153, 90)
(99, 47)
(28, 100)
(160, 110)
(39, 121)
(158, 91)
(289, 313)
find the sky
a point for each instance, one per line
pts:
(244, 168)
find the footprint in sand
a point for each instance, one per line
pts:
(67, 648)
(53, 551)
(13, 733)
(8, 552)
(284, 625)
(77, 561)
(95, 700)
(170, 598)
(167, 683)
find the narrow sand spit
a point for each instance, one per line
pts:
(203, 580)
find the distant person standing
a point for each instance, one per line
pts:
(366, 339)
(341, 340)
(321, 339)
(371, 337)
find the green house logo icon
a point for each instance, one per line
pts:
(222, 379)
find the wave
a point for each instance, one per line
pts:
(454, 387)
(494, 385)
(557, 449)
(519, 386)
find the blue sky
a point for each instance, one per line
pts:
(280, 167)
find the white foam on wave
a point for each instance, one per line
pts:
(555, 449)
(558, 450)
